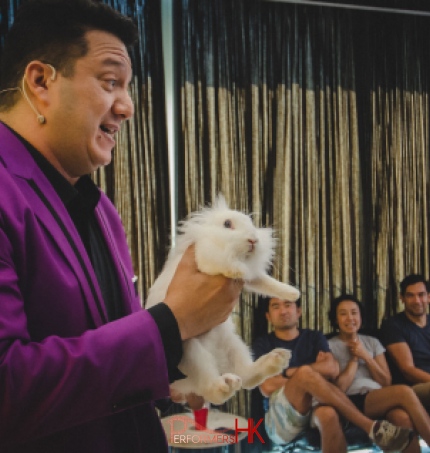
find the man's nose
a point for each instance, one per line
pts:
(123, 105)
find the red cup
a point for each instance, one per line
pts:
(200, 418)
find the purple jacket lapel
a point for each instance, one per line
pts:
(111, 238)
(47, 206)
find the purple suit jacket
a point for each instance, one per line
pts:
(66, 376)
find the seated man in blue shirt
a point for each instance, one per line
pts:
(406, 337)
(290, 395)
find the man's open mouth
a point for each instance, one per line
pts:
(108, 130)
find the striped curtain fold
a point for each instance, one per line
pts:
(316, 121)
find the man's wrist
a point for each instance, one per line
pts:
(170, 336)
(284, 373)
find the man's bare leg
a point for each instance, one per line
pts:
(327, 421)
(379, 402)
(307, 383)
(423, 392)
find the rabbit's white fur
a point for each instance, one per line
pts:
(218, 363)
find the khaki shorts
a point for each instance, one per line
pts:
(283, 422)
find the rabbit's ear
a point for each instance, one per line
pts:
(220, 202)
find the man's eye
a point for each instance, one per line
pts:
(111, 83)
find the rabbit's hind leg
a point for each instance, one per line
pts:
(264, 367)
(203, 374)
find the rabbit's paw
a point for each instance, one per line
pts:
(289, 293)
(275, 361)
(236, 271)
(223, 388)
(213, 268)
(235, 274)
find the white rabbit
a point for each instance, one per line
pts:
(218, 363)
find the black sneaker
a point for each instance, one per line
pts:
(389, 437)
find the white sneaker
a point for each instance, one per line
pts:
(389, 437)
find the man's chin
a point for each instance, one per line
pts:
(288, 327)
(416, 313)
(102, 158)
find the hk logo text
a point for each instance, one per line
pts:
(183, 430)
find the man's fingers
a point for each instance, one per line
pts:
(189, 257)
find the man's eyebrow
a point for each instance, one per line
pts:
(109, 61)
(117, 63)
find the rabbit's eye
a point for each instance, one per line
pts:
(228, 224)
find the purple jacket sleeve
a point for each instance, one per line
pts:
(60, 381)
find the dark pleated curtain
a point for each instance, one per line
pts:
(315, 120)
(137, 179)
(394, 127)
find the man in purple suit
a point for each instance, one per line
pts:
(80, 362)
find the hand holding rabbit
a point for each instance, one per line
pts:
(200, 301)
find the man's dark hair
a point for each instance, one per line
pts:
(266, 303)
(53, 31)
(332, 315)
(412, 279)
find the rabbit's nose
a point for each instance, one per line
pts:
(252, 243)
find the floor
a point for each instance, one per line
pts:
(252, 447)
(247, 448)
(424, 449)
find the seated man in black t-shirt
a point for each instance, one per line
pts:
(290, 396)
(406, 337)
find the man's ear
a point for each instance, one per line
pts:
(38, 77)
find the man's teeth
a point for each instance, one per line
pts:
(107, 130)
